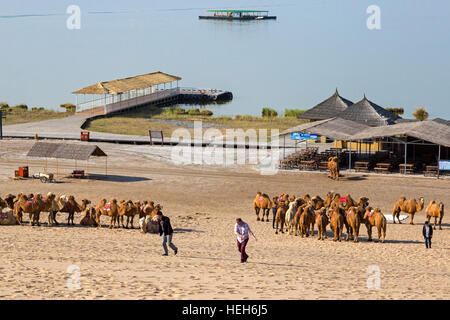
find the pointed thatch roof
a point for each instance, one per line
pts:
(328, 108)
(128, 84)
(65, 151)
(334, 128)
(368, 113)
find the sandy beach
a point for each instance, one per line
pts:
(203, 202)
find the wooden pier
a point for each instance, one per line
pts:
(243, 15)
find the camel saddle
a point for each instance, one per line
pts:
(31, 201)
(370, 214)
(107, 207)
(261, 199)
(3, 215)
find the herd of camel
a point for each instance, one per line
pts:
(36, 204)
(299, 215)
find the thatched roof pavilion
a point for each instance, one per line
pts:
(328, 108)
(368, 113)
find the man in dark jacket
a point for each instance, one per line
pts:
(166, 231)
(427, 232)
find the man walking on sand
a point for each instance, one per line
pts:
(427, 232)
(166, 231)
(241, 229)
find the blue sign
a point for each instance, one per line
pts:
(303, 136)
(444, 165)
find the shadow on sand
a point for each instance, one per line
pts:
(116, 178)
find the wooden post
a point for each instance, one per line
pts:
(350, 157)
(406, 152)
(106, 166)
(439, 159)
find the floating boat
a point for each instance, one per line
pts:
(237, 15)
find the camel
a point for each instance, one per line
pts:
(51, 206)
(297, 216)
(146, 209)
(31, 206)
(290, 214)
(336, 222)
(149, 224)
(349, 202)
(374, 218)
(107, 209)
(69, 205)
(317, 202)
(3, 204)
(89, 218)
(408, 206)
(9, 199)
(262, 202)
(128, 209)
(353, 218)
(280, 216)
(322, 222)
(328, 199)
(307, 220)
(435, 210)
(335, 202)
(333, 166)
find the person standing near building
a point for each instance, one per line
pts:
(241, 229)
(427, 232)
(166, 231)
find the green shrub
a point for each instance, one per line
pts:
(69, 107)
(206, 113)
(21, 107)
(269, 113)
(244, 117)
(224, 118)
(397, 111)
(420, 114)
(194, 112)
(293, 113)
(178, 110)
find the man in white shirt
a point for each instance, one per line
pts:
(241, 229)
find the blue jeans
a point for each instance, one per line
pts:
(165, 240)
(428, 242)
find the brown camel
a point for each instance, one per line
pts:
(336, 222)
(435, 210)
(411, 206)
(30, 206)
(50, 205)
(374, 218)
(349, 202)
(328, 199)
(155, 210)
(353, 219)
(128, 209)
(281, 215)
(69, 205)
(307, 220)
(333, 167)
(89, 218)
(335, 202)
(322, 222)
(317, 202)
(262, 202)
(146, 209)
(107, 209)
(9, 199)
(297, 217)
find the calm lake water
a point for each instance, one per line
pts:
(295, 61)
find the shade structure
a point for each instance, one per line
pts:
(436, 131)
(65, 151)
(127, 84)
(334, 128)
(368, 113)
(328, 108)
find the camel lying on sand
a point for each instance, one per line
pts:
(435, 210)
(411, 206)
(262, 202)
(374, 218)
(89, 218)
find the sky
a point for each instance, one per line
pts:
(314, 47)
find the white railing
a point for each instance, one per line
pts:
(113, 103)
